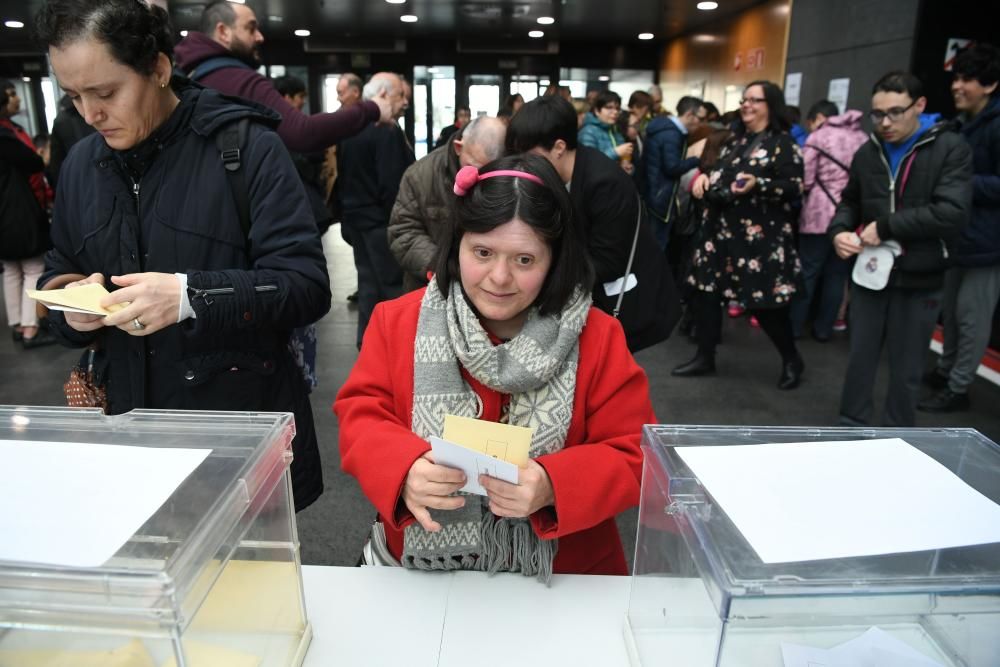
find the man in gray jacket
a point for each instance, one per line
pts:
(424, 203)
(910, 188)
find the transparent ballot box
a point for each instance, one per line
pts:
(211, 576)
(701, 596)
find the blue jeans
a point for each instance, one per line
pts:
(819, 263)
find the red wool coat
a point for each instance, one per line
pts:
(595, 476)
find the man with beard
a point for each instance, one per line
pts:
(225, 55)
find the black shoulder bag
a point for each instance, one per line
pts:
(649, 311)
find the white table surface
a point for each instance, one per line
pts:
(396, 617)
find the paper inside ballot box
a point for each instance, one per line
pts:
(81, 299)
(132, 654)
(502, 441)
(248, 597)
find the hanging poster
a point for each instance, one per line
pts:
(837, 93)
(793, 88)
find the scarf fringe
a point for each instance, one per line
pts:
(510, 545)
(440, 563)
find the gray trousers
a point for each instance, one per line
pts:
(970, 296)
(903, 320)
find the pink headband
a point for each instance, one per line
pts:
(468, 176)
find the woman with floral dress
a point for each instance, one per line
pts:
(746, 251)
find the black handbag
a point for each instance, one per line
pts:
(650, 310)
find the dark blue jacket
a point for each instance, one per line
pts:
(234, 355)
(370, 166)
(665, 150)
(980, 241)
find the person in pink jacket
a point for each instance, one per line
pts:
(504, 332)
(827, 153)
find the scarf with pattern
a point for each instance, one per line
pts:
(537, 368)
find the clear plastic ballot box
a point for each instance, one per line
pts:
(211, 579)
(701, 596)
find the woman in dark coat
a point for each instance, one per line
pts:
(144, 207)
(747, 251)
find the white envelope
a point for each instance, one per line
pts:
(472, 463)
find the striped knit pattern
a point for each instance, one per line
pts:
(537, 368)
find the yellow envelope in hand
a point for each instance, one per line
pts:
(501, 441)
(81, 299)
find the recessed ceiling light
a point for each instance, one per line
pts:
(184, 33)
(13, 24)
(26, 79)
(536, 34)
(408, 18)
(645, 35)
(239, 2)
(432, 70)
(302, 33)
(708, 5)
(604, 78)
(546, 20)
(395, 2)
(275, 18)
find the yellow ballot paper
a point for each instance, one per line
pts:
(501, 441)
(82, 299)
(200, 654)
(133, 654)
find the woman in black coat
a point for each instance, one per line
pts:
(144, 206)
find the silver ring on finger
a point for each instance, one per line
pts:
(137, 325)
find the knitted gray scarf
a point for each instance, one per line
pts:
(538, 369)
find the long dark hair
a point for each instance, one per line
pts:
(545, 207)
(134, 33)
(777, 113)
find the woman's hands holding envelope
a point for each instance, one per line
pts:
(82, 321)
(520, 500)
(429, 485)
(153, 302)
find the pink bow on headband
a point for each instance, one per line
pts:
(468, 176)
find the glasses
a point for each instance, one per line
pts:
(752, 100)
(894, 114)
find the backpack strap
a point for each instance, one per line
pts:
(829, 157)
(230, 140)
(206, 67)
(819, 181)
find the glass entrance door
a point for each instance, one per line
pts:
(433, 104)
(484, 94)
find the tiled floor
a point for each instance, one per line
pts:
(742, 393)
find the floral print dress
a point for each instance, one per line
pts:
(746, 247)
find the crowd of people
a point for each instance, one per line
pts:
(492, 271)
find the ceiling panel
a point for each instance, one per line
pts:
(617, 21)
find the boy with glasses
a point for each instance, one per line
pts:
(972, 286)
(910, 188)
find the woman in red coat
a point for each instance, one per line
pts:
(505, 332)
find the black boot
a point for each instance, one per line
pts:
(791, 373)
(945, 400)
(701, 364)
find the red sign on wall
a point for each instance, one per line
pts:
(755, 58)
